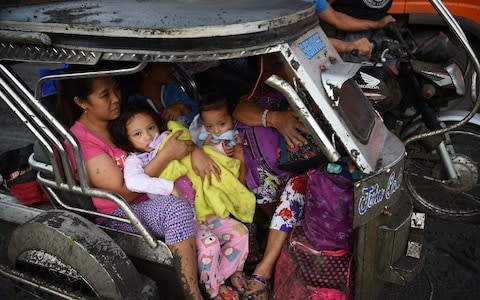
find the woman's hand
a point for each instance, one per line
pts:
(177, 149)
(287, 123)
(203, 165)
(174, 149)
(173, 111)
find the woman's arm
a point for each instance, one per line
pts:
(104, 173)
(286, 122)
(203, 165)
(248, 113)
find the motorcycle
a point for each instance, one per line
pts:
(430, 81)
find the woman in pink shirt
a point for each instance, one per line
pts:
(87, 106)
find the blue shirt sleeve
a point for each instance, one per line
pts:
(174, 94)
(321, 5)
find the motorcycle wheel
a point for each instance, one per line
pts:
(60, 255)
(426, 178)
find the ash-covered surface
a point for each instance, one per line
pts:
(452, 265)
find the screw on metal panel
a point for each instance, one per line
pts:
(355, 153)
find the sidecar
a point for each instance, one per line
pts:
(59, 251)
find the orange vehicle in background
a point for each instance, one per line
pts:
(421, 12)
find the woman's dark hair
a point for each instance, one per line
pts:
(118, 127)
(66, 109)
(215, 100)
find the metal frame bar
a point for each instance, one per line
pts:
(31, 118)
(297, 103)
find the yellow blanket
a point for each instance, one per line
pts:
(222, 198)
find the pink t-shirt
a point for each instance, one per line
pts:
(91, 146)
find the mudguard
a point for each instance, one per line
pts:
(80, 245)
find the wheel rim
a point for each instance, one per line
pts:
(426, 180)
(53, 270)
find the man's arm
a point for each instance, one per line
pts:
(345, 22)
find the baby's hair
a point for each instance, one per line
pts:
(214, 100)
(118, 127)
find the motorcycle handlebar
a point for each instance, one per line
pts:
(393, 43)
(355, 52)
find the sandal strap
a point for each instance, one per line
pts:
(261, 279)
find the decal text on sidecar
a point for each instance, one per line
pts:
(373, 194)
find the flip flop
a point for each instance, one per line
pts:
(263, 291)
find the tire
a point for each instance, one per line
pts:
(426, 180)
(75, 257)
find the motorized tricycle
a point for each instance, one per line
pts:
(60, 251)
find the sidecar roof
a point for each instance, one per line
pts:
(189, 30)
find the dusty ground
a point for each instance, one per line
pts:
(452, 266)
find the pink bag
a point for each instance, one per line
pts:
(290, 285)
(320, 268)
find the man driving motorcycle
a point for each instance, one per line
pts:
(355, 22)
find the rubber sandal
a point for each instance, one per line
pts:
(263, 291)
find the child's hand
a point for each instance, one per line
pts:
(208, 141)
(173, 111)
(177, 149)
(235, 151)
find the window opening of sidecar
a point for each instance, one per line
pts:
(185, 77)
(82, 191)
(350, 102)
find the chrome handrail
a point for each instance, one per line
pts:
(31, 118)
(296, 102)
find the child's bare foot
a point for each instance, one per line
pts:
(238, 282)
(258, 288)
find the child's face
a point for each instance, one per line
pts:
(217, 122)
(141, 129)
